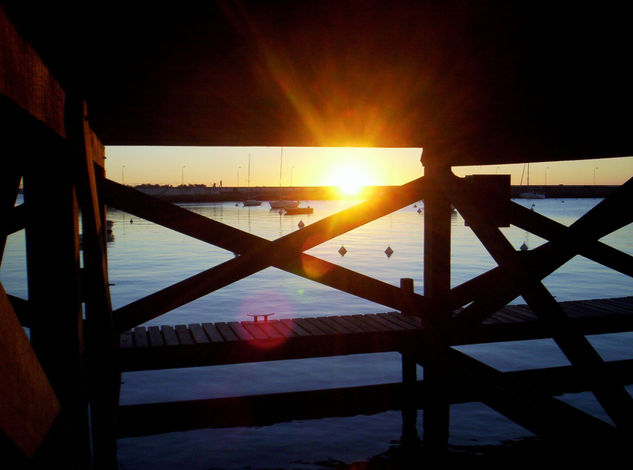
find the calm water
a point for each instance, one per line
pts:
(144, 257)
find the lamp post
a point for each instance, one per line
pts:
(546, 168)
(238, 176)
(594, 175)
(182, 175)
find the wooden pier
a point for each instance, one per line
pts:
(206, 344)
(464, 83)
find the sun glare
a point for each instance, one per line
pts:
(350, 180)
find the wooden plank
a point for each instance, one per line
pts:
(621, 306)
(284, 329)
(324, 326)
(140, 337)
(241, 332)
(226, 332)
(29, 405)
(389, 325)
(549, 229)
(370, 320)
(614, 398)
(212, 333)
(255, 330)
(413, 320)
(184, 335)
(338, 327)
(309, 326)
(126, 340)
(171, 339)
(257, 254)
(155, 338)
(295, 327)
(198, 334)
(268, 328)
(361, 325)
(520, 312)
(396, 319)
(27, 81)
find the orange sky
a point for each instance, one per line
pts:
(325, 166)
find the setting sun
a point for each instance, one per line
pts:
(350, 179)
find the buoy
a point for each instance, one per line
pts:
(389, 252)
(342, 250)
(301, 224)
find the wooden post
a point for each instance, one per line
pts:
(437, 253)
(52, 246)
(409, 381)
(101, 338)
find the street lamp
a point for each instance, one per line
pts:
(546, 168)
(238, 176)
(594, 175)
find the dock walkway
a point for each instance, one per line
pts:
(164, 347)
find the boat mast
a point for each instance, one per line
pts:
(281, 159)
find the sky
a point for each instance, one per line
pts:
(303, 166)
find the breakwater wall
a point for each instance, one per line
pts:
(202, 193)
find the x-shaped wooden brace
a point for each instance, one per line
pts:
(256, 253)
(523, 276)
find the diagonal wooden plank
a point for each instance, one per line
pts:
(494, 289)
(532, 408)
(28, 405)
(261, 254)
(549, 229)
(613, 397)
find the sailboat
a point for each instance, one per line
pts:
(529, 193)
(282, 203)
(250, 202)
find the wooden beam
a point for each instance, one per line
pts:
(57, 329)
(101, 337)
(532, 408)
(264, 410)
(256, 252)
(492, 290)
(549, 229)
(615, 399)
(27, 81)
(437, 268)
(28, 405)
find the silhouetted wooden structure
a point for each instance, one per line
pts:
(470, 82)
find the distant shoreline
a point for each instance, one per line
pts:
(202, 193)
